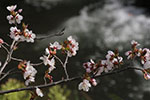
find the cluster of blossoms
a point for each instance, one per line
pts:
(15, 18)
(113, 60)
(69, 47)
(143, 54)
(29, 71)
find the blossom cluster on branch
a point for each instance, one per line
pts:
(19, 32)
(143, 54)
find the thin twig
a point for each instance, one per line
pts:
(66, 81)
(6, 74)
(51, 35)
(45, 80)
(6, 44)
(65, 67)
(59, 60)
(37, 64)
(16, 59)
(63, 64)
(20, 60)
(5, 48)
(8, 59)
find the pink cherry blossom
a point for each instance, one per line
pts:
(28, 36)
(29, 74)
(55, 45)
(15, 17)
(11, 19)
(146, 65)
(20, 10)
(129, 54)
(14, 33)
(146, 75)
(73, 46)
(145, 57)
(18, 18)
(89, 66)
(110, 55)
(134, 43)
(45, 59)
(1, 42)
(52, 65)
(85, 85)
(93, 81)
(11, 8)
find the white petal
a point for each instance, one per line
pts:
(39, 92)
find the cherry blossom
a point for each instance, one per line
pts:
(29, 73)
(113, 59)
(50, 62)
(47, 51)
(15, 17)
(45, 59)
(89, 66)
(93, 81)
(146, 56)
(14, 33)
(1, 42)
(134, 43)
(135, 51)
(110, 55)
(55, 45)
(11, 19)
(104, 66)
(18, 18)
(52, 65)
(28, 36)
(129, 54)
(73, 46)
(146, 75)
(147, 65)
(11, 8)
(20, 10)
(39, 92)
(85, 85)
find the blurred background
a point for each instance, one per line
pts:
(98, 26)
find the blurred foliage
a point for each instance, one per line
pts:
(13, 84)
(114, 97)
(59, 93)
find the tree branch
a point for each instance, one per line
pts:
(65, 67)
(51, 35)
(68, 80)
(8, 59)
(6, 74)
(63, 64)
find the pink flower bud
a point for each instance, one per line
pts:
(1, 41)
